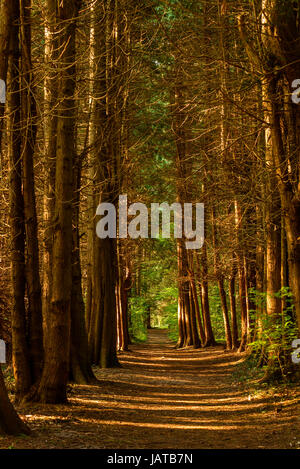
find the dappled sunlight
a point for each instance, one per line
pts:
(162, 364)
(178, 399)
(203, 408)
(170, 382)
(161, 399)
(165, 425)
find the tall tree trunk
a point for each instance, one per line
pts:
(123, 285)
(50, 136)
(80, 367)
(21, 365)
(188, 332)
(220, 281)
(204, 295)
(233, 312)
(94, 94)
(103, 318)
(194, 293)
(279, 64)
(28, 123)
(242, 279)
(273, 224)
(10, 423)
(53, 385)
(6, 18)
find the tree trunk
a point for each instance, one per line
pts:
(28, 122)
(53, 385)
(6, 18)
(279, 63)
(204, 294)
(80, 368)
(10, 422)
(233, 313)
(21, 365)
(50, 136)
(103, 317)
(220, 281)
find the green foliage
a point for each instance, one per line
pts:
(9, 378)
(272, 344)
(247, 371)
(167, 301)
(138, 314)
(216, 313)
(158, 293)
(172, 321)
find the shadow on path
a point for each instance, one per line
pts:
(165, 398)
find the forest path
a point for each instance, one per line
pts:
(165, 398)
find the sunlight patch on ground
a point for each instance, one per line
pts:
(163, 425)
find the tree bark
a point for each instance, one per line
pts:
(50, 136)
(53, 385)
(6, 19)
(28, 122)
(10, 422)
(233, 312)
(21, 365)
(80, 367)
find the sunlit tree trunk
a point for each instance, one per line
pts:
(242, 279)
(21, 364)
(123, 286)
(233, 310)
(6, 17)
(220, 281)
(278, 62)
(103, 318)
(53, 385)
(50, 135)
(10, 423)
(188, 332)
(28, 138)
(80, 367)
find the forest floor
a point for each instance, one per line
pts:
(165, 398)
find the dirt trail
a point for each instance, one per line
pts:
(164, 398)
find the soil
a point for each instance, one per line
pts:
(166, 398)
